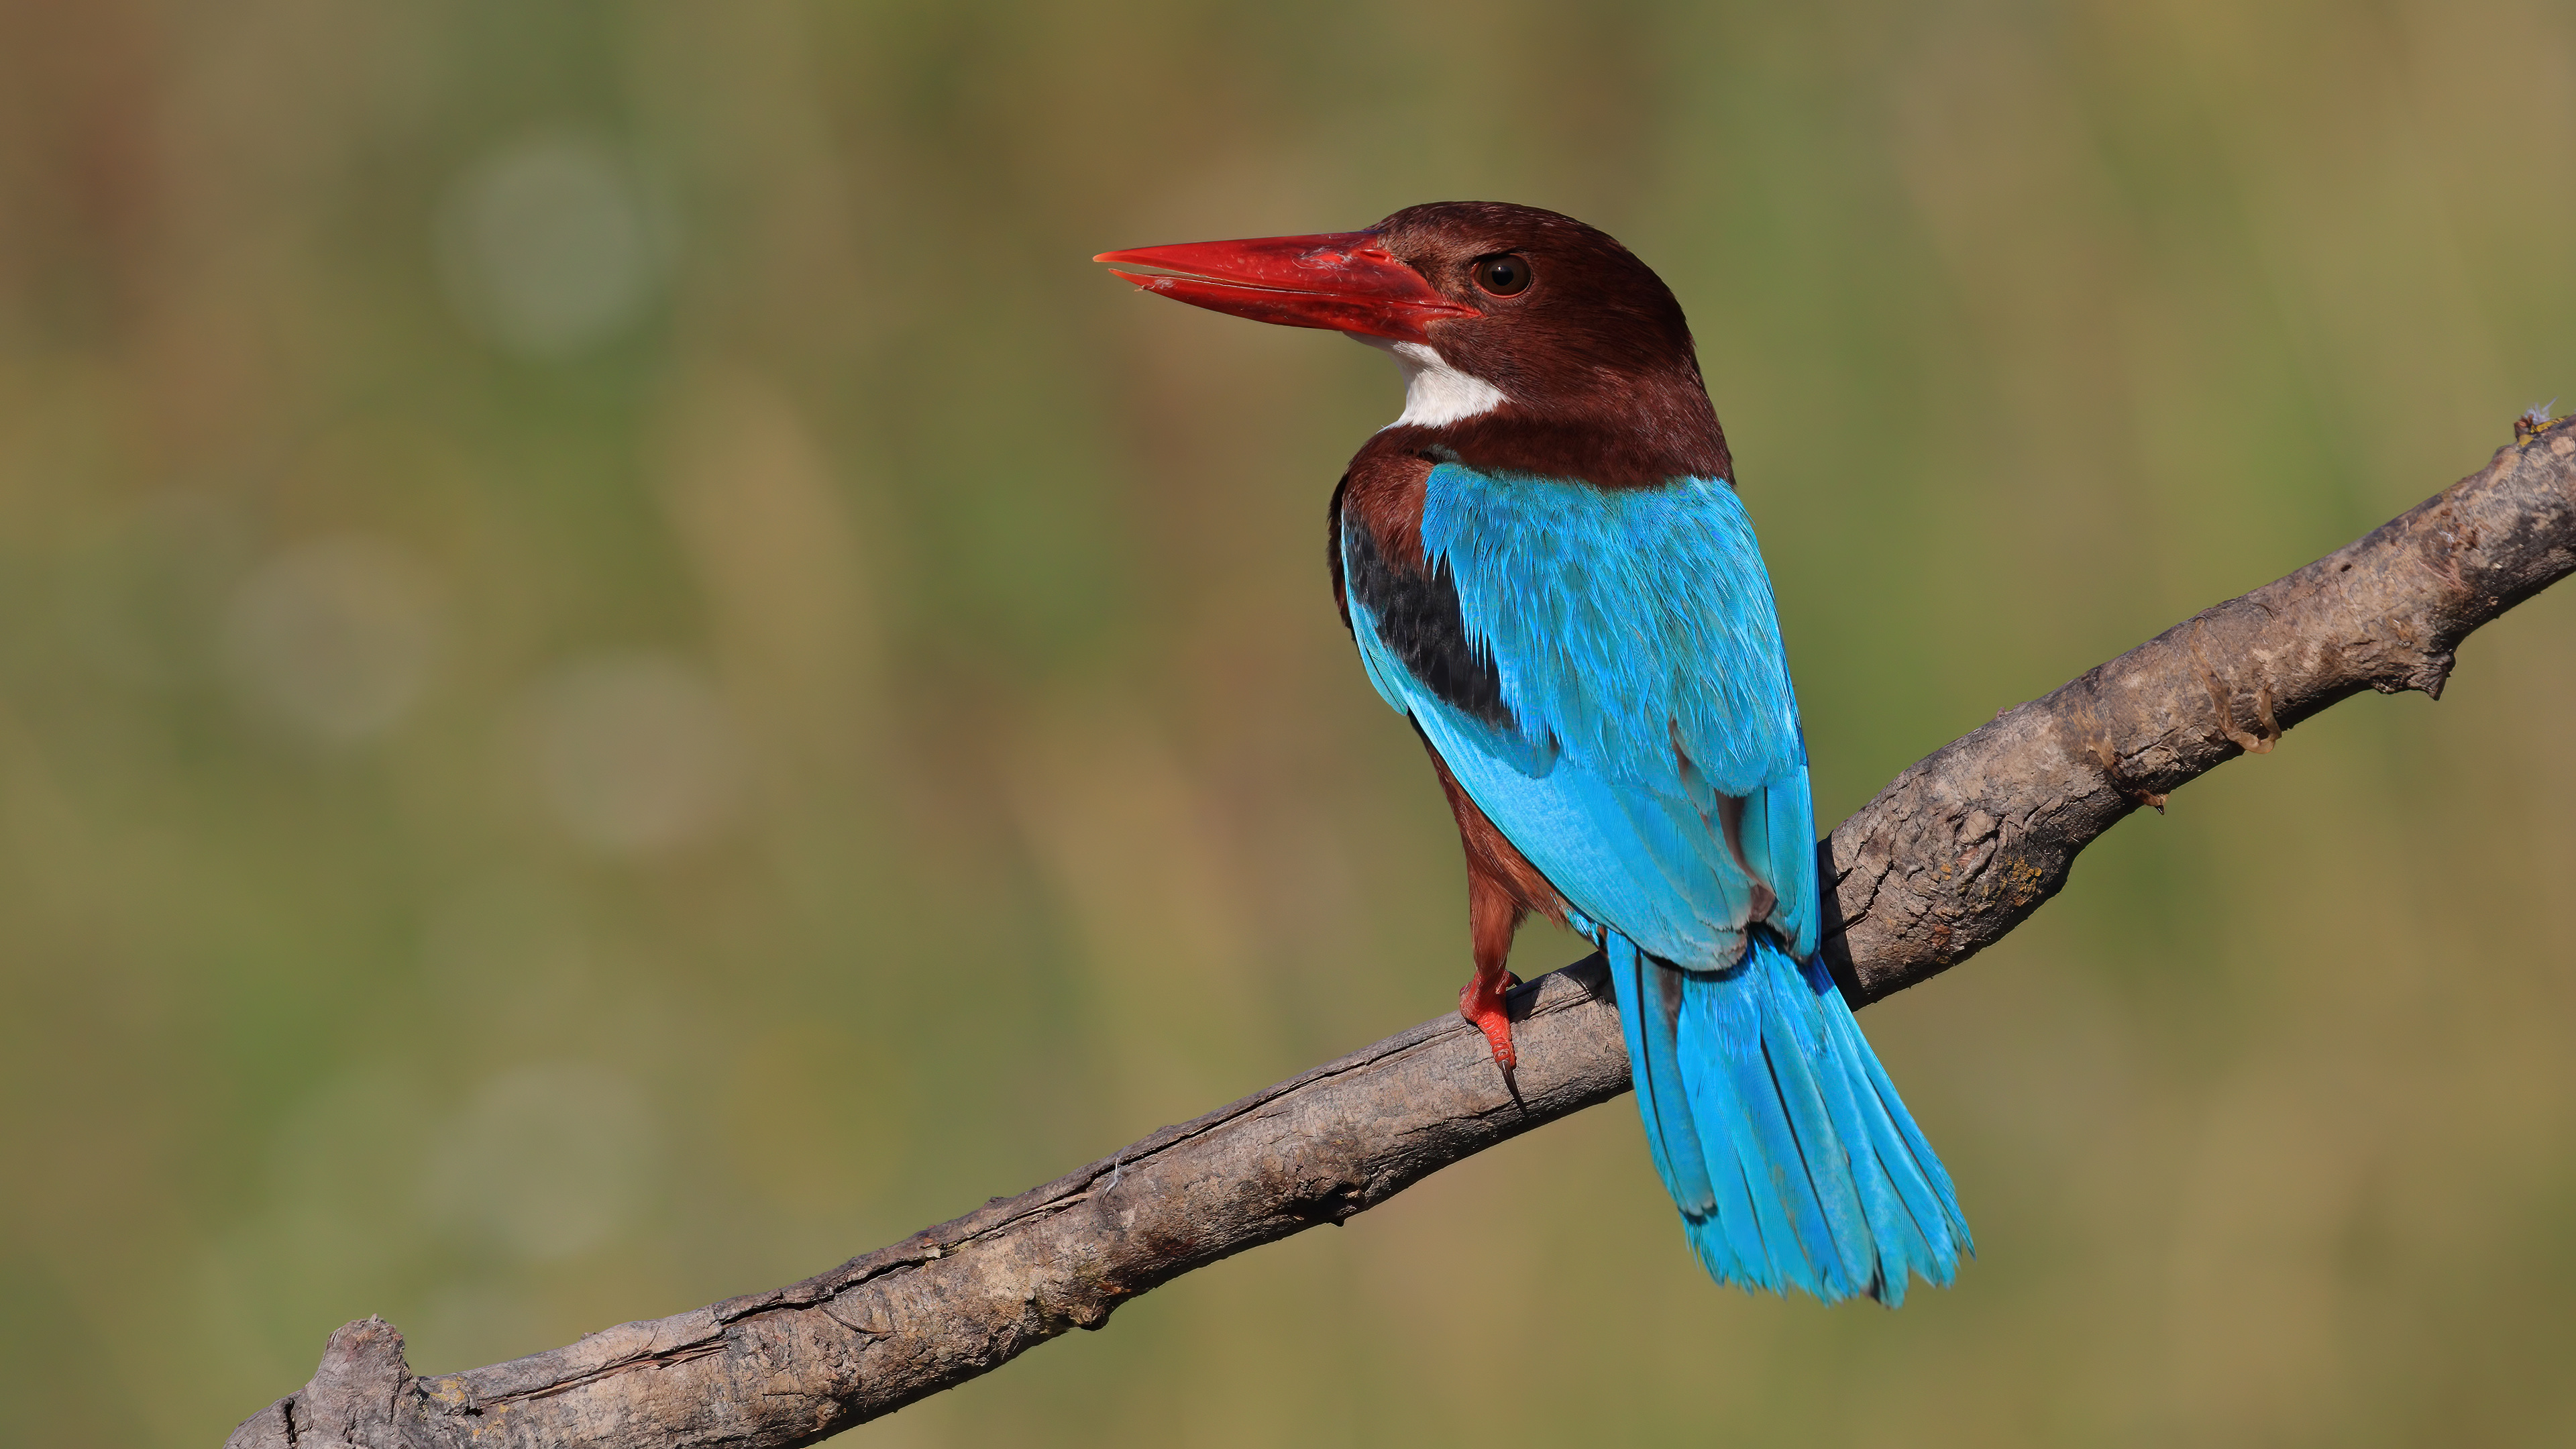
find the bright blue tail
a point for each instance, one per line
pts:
(1780, 1137)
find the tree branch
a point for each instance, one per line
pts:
(1951, 856)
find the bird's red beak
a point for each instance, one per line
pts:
(1344, 281)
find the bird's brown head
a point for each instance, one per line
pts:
(1530, 341)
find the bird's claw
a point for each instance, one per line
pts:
(1480, 1001)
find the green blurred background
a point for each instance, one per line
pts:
(622, 675)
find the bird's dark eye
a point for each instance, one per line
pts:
(1504, 275)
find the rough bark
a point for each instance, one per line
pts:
(1953, 854)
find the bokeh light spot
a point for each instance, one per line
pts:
(553, 245)
(549, 1161)
(634, 753)
(332, 639)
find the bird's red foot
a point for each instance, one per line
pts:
(1481, 1002)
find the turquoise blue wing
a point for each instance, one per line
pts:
(1641, 743)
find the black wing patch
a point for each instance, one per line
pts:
(1418, 621)
(1333, 548)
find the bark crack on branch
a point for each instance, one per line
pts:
(662, 1358)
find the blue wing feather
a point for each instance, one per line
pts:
(1638, 653)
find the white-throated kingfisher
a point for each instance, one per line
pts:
(1547, 570)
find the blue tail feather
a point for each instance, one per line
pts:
(1908, 1161)
(1658, 1075)
(1710, 1045)
(1889, 1193)
(1721, 1046)
(1799, 1087)
(1793, 1160)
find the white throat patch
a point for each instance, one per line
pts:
(1435, 392)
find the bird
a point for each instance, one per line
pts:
(1547, 569)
